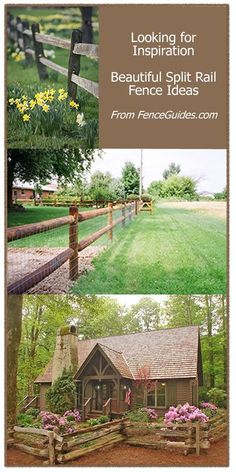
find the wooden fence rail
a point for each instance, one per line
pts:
(58, 448)
(71, 253)
(31, 42)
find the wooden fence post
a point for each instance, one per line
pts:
(136, 207)
(130, 211)
(110, 220)
(197, 438)
(26, 43)
(39, 52)
(19, 34)
(123, 214)
(74, 63)
(51, 449)
(73, 243)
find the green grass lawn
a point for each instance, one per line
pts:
(172, 251)
(58, 237)
(25, 78)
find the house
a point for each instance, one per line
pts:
(206, 194)
(156, 369)
(26, 190)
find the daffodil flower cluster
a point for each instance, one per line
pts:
(43, 101)
(18, 55)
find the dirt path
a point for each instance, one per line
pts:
(124, 455)
(21, 261)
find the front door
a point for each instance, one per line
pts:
(102, 391)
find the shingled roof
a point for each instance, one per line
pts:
(169, 353)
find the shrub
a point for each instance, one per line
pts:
(140, 416)
(217, 396)
(34, 412)
(209, 408)
(184, 413)
(146, 197)
(61, 395)
(152, 414)
(62, 424)
(132, 197)
(24, 420)
(95, 421)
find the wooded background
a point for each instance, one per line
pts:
(105, 316)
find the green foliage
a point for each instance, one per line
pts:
(174, 187)
(24, 420)
(221, 195)
(217, 396)
(139, 416)
(34, 412)
(61, 395)
(132, 197)
(146, 197)
(179, 187)
(100, 420)
(130, 179)
(143, 316)
(173, 169)
(155, 188)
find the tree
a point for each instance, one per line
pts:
(179, 187)
(33, 165)
(155, 188)
(87, 26)
(173, 169)
(130, 179)
(13, 335)
(144, 315)
(183, 310)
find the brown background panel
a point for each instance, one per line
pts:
(210, 23)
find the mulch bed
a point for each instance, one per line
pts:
(124, 455)
(21, 261)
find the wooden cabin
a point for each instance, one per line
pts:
(155, 369)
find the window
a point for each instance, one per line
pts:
(157, 397)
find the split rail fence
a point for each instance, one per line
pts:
(56, 448)
(31, 41)
(71, 253)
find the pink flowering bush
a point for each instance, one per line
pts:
(184, 413)
(209, 408)
(152, 414)
(61, 424)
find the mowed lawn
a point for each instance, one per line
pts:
(172, 251)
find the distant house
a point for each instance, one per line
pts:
(206, 194)
(25, 190)
(156, 369)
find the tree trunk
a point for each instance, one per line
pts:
(224, 329)
(13, 336)
(87, 27)
(210, 344)
(10, 179)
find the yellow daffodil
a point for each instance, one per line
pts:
(74, 104)
(61, 91)
(11, 101)
(32, 104)
(45, 108)
(26, 117)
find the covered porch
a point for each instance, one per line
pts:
(101, 387)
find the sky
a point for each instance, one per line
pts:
(208, 166)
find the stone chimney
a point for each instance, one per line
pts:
(66, 352)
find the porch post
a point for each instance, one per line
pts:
(83, 412)
(118, 397)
